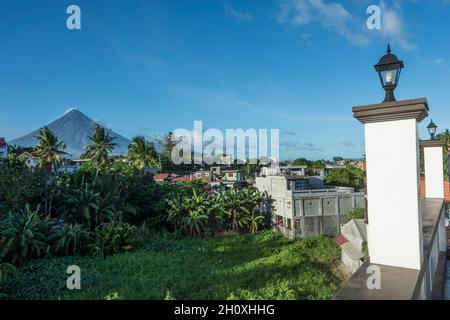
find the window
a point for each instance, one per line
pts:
(288, 225)
(297, 226)
(230, 175)
(207, 174)
(298, 185)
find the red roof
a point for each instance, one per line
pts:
(161, 176)
(341, 240)
(446, 189)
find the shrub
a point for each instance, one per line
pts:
(6, 271)
(356, 213)
(114, 237)
(23, 236)
(72, 239)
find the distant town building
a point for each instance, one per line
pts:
(293, 170)
(71, 165)
(31, 160)
(233, 178)
(301, 211)
(162, 177)
(204, 176)
(3, 148)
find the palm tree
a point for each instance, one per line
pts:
(49, 150)
(195, 207)
(142, 153)
(84, 207)
(253, 222)
(101, 145)
(236, 207)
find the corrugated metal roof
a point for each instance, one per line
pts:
(352, 251)
(355, 229)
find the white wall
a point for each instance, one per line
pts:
(434, 172)
(394, 230)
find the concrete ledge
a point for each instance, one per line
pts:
(390, 111)
(432, 143)
(439, 277)
(396, 284)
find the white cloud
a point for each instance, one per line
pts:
(298, 146)
(435, 61)
(340, 20)
(238, 15)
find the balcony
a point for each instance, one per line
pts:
(406, 284)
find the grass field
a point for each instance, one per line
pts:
(261, 266)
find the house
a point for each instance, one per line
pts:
(3, 148)
(162, 177)
(302, 211)
(323, 172)
(204, 176)
(352, 240)
(71, 165)
(31, 159)
(293, 170)
(233, 178)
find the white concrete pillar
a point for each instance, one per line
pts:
(393, 181)
(434, 168)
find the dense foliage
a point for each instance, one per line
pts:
(96, 216)
(356, 213)
(260, 266)
(350, 176)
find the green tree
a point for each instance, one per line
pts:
(356, 213)
(349, 176)
(166, 143)
(445, 137)
(49, 150)
(142, 153)
(101, 145)
(23, 236)
(301, 162)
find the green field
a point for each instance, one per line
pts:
(261, 266)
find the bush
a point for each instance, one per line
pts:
(47, 278)
(114, 237)
(356, 213)
(73, 240)
(24, 236)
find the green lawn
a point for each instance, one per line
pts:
(261, 266)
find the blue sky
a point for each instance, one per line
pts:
(150, 67)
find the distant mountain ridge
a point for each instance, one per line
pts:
(74, 127)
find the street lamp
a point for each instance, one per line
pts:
(389, 69)
(432, 129)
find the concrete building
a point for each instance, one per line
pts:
(204, 176)
(293, 170)
(233, 178)
(31, 160)
(3, 148)
(300, 211)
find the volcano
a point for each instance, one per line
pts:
(74, 127)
